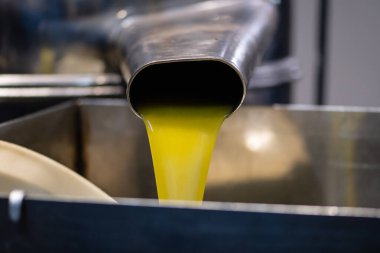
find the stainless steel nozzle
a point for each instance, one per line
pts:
(202, 51)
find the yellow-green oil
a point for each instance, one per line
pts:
(182, 140)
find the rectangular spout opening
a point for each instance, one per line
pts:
(181, 83)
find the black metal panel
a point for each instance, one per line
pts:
(280, 48)
(50, 226)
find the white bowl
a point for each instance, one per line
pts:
(24, 169)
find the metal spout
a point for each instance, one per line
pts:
(169, 51)
(198, 52)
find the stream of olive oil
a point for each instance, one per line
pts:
(182, 140)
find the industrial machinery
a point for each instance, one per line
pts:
(282, 178)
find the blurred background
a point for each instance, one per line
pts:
(332, 47)
(352, 57)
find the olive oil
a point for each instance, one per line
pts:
(182, 139)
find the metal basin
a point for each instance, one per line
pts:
(299, 155)
(309, 178)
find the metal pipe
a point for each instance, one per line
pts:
(212, 46)
(204, 51)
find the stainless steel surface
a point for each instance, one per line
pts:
(58, 80)
(299, 156)
(52, 132)
(319, 156)
(306, 179)
(10, 94)
(122, 153)
(24, 86)
(225, 37)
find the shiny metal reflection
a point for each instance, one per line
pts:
(321, 156)
(257, 155)
(58, 80)
(263, 147)
(19, 86)
(233, 33)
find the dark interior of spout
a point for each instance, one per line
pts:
(186, 83)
